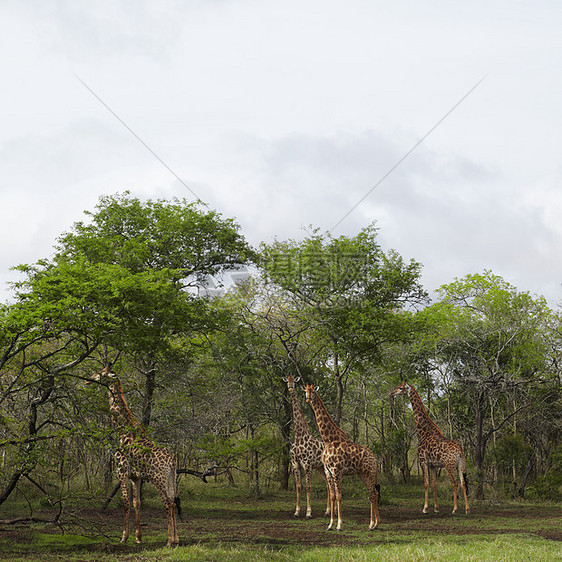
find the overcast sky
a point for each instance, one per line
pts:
(284, 114)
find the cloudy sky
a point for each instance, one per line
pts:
(284, 114)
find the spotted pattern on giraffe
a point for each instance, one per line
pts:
(139, 458)
(435, 451)
(341, 457)
(305, 452)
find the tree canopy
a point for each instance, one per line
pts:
(205, 373)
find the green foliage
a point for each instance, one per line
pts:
(342, 272)
(510, 450)
(157, 235)
(341, 301)
(231, 450)
(488, 343)
(120, 285)
(207, 374)
(121, 279)
(548, 486)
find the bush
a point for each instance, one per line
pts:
(549, 485)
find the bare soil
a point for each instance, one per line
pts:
(271, 523)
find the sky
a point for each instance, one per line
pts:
(287, 115)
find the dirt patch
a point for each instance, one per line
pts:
(552, 535)
(272, 524)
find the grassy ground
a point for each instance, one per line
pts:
(221, 523)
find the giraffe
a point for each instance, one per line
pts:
(435, 451)
(343, 456)
(139, 458)
(306, 451)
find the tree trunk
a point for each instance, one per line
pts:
(11, 486)
(286, 435)
(480, 445)
(366, 416)
(43, 394)
(384, 449)
(514, 467)
(254, 466)
(339, 390)
(148, 401)
(521, 490)
(285, 467)
(494, 441)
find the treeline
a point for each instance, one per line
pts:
(128, 286)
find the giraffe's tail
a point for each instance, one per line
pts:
(462, 470)
(171, 488)
(378, 489)
(465, 480)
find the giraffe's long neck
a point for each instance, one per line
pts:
(328, 429)
(124, 418)
(300, 426)
(424, 424)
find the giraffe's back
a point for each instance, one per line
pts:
(148, 460)
(439, 451)
(350, 458)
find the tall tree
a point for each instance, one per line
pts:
(130, 275)
(349, 291)
(493, 341)
(37, 350)
(124, 281)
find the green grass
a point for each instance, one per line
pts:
(479, 548)
(224, 524)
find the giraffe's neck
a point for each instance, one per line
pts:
(124, 418)
(300, 426)
(424, 424)
(328, 429)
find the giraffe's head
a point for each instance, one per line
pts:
(291, 381)
(403, 389)
(310, 392)
(103, 376)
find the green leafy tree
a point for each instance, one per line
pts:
(129, 276)
(35, 357)
(123, 283)
(348, 291)
(492, 338)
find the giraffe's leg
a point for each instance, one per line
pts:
(173, 539)
(307, 475)
(337, 486)
(434, 486)
(168, 495)
(425, 484)
(451, 473)
(297, 475)
(331, 496)
(137, 508)
(327, 492)
(376, 505)
(369, 479)
(175, 512)
(124, 481)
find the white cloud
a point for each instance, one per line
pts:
(284, 114)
